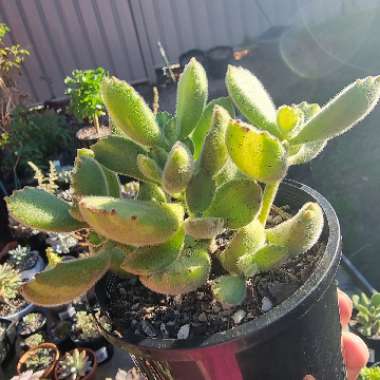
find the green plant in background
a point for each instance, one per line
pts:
(86, 327)
(368, 314)
(37, 137)
(10, 282)
(201, 172)
(372, 373)
(83, 88)
(42, 359)
(11, 59)
(74, 366)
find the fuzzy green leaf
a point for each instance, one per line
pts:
(130, 113)
(341, 113)
(229, 290)
(263, 260)
(237, 202)
(306, 152)
(288, 118)
(191, 97)
(119, 155)
(132, 222)
(299, 233)
(148, 260)
(246, 240)
(256, 153)
(149, 168)
(204, 228)
(112, 182)
(88, 177)
(151, 192)
(227, 173)
(251, 98)
(41, 210)
(178, 169)
(204, 124)
(199, 192)
(187, 273)
(66, 281)
(214, 151)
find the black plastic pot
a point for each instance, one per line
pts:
(7, 340)
(218, 59)
(298, 337)
(198, 54)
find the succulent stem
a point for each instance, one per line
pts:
(269, 195)
(96, 123)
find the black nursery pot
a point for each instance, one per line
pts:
(218, 59)
(7, 340)
(300, 336)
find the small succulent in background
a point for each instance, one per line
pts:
(22, 257)
(31, 322)
(201, 173)
(34, 340)
(61, 243)
(42, 359)
(367, 314)
(85, 326)
(372, 373)
(10, 283)
(74, 365)
(29, 375)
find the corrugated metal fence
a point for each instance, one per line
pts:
(122, 35)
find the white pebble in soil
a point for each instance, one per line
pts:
(183, 332)
(266, 304)
(238, 316)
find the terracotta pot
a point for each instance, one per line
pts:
(91, 374)
(48, 371)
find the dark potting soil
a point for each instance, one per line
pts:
(138, 312)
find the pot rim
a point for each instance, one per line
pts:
(94, 363)
(31, 351)
(276, 319)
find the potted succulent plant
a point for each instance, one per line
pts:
(86, 334)
(12, 304)
(221, 281)
(44, 357)
(28, 262)
(32, 323)
(79, 364)
(85, 101)
(366, 322)
(33, 340)
(7, 338)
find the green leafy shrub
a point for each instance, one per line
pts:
(367, 314)
(37, 137)
(11, 59)
(184, 202)
(372, 373)
(83, 88)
